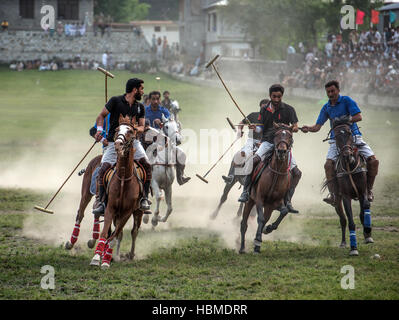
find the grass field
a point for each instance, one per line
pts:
(45, 120)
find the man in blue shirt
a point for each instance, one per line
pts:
(336, 107)
(154, 111)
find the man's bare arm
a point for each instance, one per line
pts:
(100, 123)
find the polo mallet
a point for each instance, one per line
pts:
(203, 178)
(224, 85)
(107, 74)
(50, 211)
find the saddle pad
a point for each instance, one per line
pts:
(110, 173)
(258, 172)
(93, 181)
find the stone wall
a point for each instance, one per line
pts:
(31, 45)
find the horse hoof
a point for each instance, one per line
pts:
(146, 218)
(91, 243)
(154, 222)
(68, 245)
(369, 240)
(116, 258)
(105, 265)
(342, 245)
(257, 249)
(354, 253)
(268, 229)
(95, 261)
(213, 216)
(242, 251)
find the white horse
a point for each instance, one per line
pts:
(163, 154)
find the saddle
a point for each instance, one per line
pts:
(257, 172)
(361, 167)
(111, 171)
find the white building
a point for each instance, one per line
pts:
(160, 29)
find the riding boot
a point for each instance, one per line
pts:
(100, 208)
(372, 171)
(248, 181)
(181, 179)
(296, 176)
(230, 177)
(145, 204)
(329, 168)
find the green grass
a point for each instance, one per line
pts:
(42, 110)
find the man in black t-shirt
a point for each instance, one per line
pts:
(278, 112)
(252, 144)
(126, 104)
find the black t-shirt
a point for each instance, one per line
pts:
(119, 106)
(284, 114)
(254, 118)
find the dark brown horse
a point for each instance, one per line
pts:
(351, 183)
(123, 196)
(269, 192)
(86, 196)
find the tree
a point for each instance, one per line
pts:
(122, 10)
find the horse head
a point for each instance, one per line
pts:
(171, 129)
(282, 140)
(344, 139)
(124, 135)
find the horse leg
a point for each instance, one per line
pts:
(157, 193)
(365, 218)
(84, 201)
(223, 198)
(112, 239)
(342, 220)
(352, 226)
(239, 212)
(117, 256)
(168, 199)
(95, 261)
(244, 222)
(96, 232)
(271, 227)
(261, 224)
(137, 216)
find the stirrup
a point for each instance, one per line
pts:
(229, 179)
(100, 209)
(244, 196)
(330, 200)
(145, 204)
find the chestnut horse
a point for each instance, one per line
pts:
(86, 196)
(351, 180)
(123, 195)
(269, 191)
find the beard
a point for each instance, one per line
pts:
(137, 96)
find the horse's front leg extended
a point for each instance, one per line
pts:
(108, 216)
(137, 216)
(271, 227)
(261, 223)
(352, 226)
(365, 218)
(223, 198)
(168, 199)
(342, 220)
(157, 193)
(244, 222)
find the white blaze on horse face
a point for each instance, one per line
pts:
(123, 129)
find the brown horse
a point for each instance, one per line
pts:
(86, 196)
(351, 181)
(269, 192)
(123, 195)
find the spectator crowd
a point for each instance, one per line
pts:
(368, 62)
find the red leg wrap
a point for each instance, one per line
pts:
(75, 233)
(100, 246)
(108, 256)
(96, 228)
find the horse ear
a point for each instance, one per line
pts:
(164, 119)
(120, 118)
(172, 117)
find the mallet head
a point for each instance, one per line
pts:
(203, 179)
(44, 210)
(212, 61)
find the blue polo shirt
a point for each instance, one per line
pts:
(152, 115)
(344, 106)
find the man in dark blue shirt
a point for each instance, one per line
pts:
(336, 107)
(154, 111)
